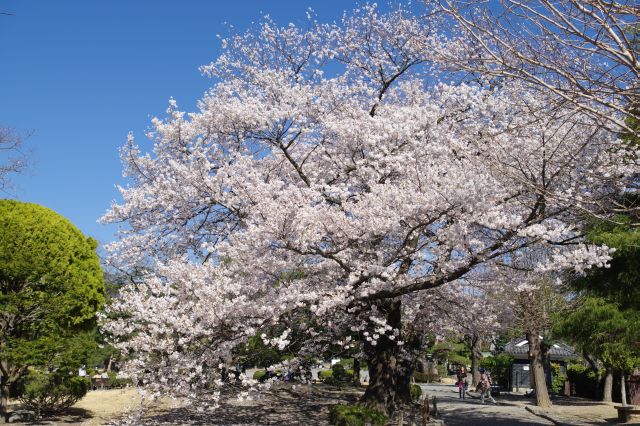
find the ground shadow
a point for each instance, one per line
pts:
(280, 407)
(472, 417)
(69, 416)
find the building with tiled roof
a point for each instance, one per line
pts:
(520, 371)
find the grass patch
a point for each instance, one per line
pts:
(355, 415)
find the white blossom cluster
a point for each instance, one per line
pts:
(329, 168)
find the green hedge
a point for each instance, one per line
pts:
(355, 415)
(416, 392)
(338, 373)
(118, 382)
(262, 375)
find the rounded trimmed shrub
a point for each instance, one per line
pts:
(46, 393)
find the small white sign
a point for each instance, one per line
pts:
(525, 368)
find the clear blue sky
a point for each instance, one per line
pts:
(81, 74)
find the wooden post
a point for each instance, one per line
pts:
(435, 406)
(425, 410)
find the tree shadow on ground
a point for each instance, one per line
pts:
(69, 416)
(473, 416)
(279, 407)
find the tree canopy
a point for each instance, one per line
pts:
(380, 174)
(51, 287)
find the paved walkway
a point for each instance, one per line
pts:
(516, 409)
(455, 411)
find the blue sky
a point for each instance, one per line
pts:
(81, 74)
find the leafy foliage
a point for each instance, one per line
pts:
(324, 177)
(51, 286)
(118, 382)
(619, 283)
(557, 378)
(340, 373)
(51, 392)
(500, 368)
(603, 330)
(454, 352)
(259, 375)
(583, 379)
(254, 353)
(416, 392)
(355, 415)
(337, 376)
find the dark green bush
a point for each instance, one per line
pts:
(340, 374)
(583, 380)
(118, 382)
(442, 370)
(416, 392)
(355, 415)
(500, 368)
(337, 376)
(45, 392)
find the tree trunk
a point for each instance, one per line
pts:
(356, 371)
(537, 370)
(4, 398)
(623, 390)
(389, 377)
(608, 387)
(594, 366)
(476, 354)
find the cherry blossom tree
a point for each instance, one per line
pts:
(471, 310)
(579, 52)
(585, 52)
(335, 170)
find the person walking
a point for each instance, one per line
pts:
(485, 386)
(462, 382)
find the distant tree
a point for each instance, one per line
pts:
(534, 310)
(12, 156)
(535, 300)
(50, 288)
(605, 332)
